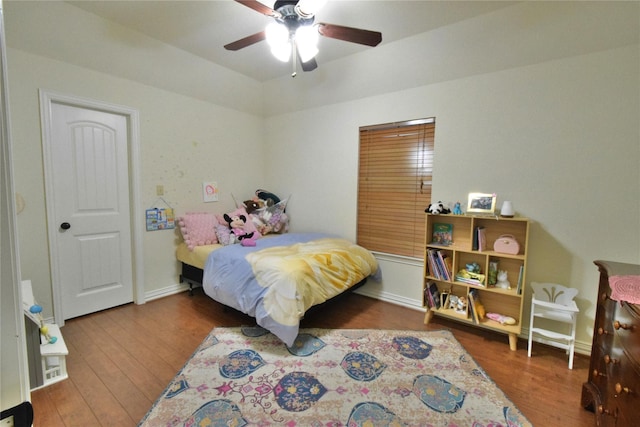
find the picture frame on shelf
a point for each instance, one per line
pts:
(482, 203)
(444, 299)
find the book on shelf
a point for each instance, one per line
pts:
(449, 265)
(434, 295)
(442, 234)
(472, 305)
(427, 261)
(482, 239)
(470, 278)
(427, 295)
(444, 262)
(520, 274)
(474, 239)
(431, 262)
(439, 264)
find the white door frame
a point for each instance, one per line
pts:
(14, 380)
(133, 124)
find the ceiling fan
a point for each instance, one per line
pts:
(294, 34)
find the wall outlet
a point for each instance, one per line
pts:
(160, 190)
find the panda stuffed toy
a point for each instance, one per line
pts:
(437, 208)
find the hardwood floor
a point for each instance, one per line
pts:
(120, 360)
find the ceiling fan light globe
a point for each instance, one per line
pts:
(306, 52)
(307, 35)
(276, 34)
(307, 42)
(282, 52)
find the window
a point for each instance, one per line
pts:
(394, 186)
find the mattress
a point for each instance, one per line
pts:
(197, 257)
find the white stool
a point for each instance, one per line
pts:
(52, 355)
(54, 364)
(553, 302)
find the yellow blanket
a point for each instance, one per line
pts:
(305, 274)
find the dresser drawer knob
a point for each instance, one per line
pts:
(621, 389)
(601, 331)
(597, 374)
(603, 411)
(617, 325)
(608, 359)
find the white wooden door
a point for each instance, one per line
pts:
(90, 172)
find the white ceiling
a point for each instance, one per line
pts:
(202, 28)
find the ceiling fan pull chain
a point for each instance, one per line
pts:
(294, 59)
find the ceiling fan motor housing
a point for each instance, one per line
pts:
(291, 18)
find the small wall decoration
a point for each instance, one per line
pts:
(209, 192)
(160, 218)
(482, 203)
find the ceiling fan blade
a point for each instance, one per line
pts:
(259, 7)
(310, 65)
(348, 34)
(247, 41)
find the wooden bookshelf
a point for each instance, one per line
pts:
(461, 251)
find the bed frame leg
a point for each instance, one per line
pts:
(190, 285)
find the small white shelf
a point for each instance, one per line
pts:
(54, 363)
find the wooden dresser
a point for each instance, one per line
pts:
(612, 390)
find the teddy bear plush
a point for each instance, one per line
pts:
(237, 226)
(269, 198)
(437, 208)
(252, 205)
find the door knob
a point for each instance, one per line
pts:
(65, 226)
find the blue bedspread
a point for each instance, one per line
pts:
(283, 276)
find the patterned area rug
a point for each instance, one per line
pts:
(332, 377)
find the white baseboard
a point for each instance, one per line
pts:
(165, 292)
(392, 298)
(581, 347)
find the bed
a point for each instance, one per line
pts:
(280, 278)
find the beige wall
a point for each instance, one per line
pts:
(538, 103)
(183, 142)
(559, 139)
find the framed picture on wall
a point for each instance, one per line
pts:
(482, 203)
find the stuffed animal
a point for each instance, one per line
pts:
(236, 223)
(457, 210)
(473, 267)
(251, 205)
(480, 310)
(269, 198)
(502, 280)
(504, 320)
(437, 208)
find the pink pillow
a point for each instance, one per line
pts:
(249, 226)
(198, 229)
